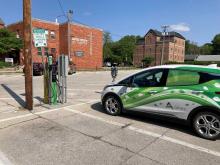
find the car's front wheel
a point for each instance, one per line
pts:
(207, 125)
(112, 105)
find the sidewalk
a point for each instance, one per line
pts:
(77, 134)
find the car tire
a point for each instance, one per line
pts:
(112, 105)
(207, 125)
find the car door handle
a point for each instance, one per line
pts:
(152, 92)
(197, 92)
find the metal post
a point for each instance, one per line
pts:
(69, 16)
(50, 79)
(66, 61)
(59, 77)
(62, 70)
(27, 26)
(164, 35)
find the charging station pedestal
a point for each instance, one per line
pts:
(56, 80)
(52, 81)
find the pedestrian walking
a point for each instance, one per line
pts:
(114, 71)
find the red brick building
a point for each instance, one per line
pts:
(152, 43)
(2, 24)
(86, 42)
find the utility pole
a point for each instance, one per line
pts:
(165, 27)
(69, 17)
(27, 53)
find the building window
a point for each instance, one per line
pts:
(46, 51)
(53, 50)
(52, 35)
(79, 53)
(39, 51)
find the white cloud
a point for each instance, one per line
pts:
(181, 27)
(87, 13)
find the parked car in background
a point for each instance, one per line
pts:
(187, 92)
(108, 64)
(38, 69)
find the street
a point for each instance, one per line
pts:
(80, 132)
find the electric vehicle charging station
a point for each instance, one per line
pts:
(57, 80)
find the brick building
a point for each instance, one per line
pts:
(2, 24)
(86, 42)
(152, 43)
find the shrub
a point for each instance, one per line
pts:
(4, 64)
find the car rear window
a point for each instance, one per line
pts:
(182, 78)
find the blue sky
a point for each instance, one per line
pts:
(197, 20)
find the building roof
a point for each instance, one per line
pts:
(55, 23)
(1, 22)
(175, 34)
(206, 58)
(172, 33)
(140, 41)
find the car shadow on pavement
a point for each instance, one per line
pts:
(161, 121)
(14, 95)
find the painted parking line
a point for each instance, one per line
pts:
(149, 133)
(7, 98)
(4, 160)
(94, 117)
(42, 112)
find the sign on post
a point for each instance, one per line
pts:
(10, 60)
(40, 39)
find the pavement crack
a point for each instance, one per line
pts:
(66, 127)
(11, 125)
(152, 142)
(125, 148)
(126, 125)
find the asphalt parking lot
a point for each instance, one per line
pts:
(82, 133)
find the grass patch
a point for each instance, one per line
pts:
(4, 64)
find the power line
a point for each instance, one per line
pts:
(61, 8)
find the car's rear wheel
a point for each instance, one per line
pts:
(207, 125)
(112, 105)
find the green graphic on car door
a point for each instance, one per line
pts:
(144, 96)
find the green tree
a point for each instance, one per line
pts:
(206, 49)
(9, 42)
(216, 44)
(191, 48)
(147, 61)
(107, 40)
(107, 37)
(124, 48)
(119, 51)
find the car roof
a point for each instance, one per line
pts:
(198, 68)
